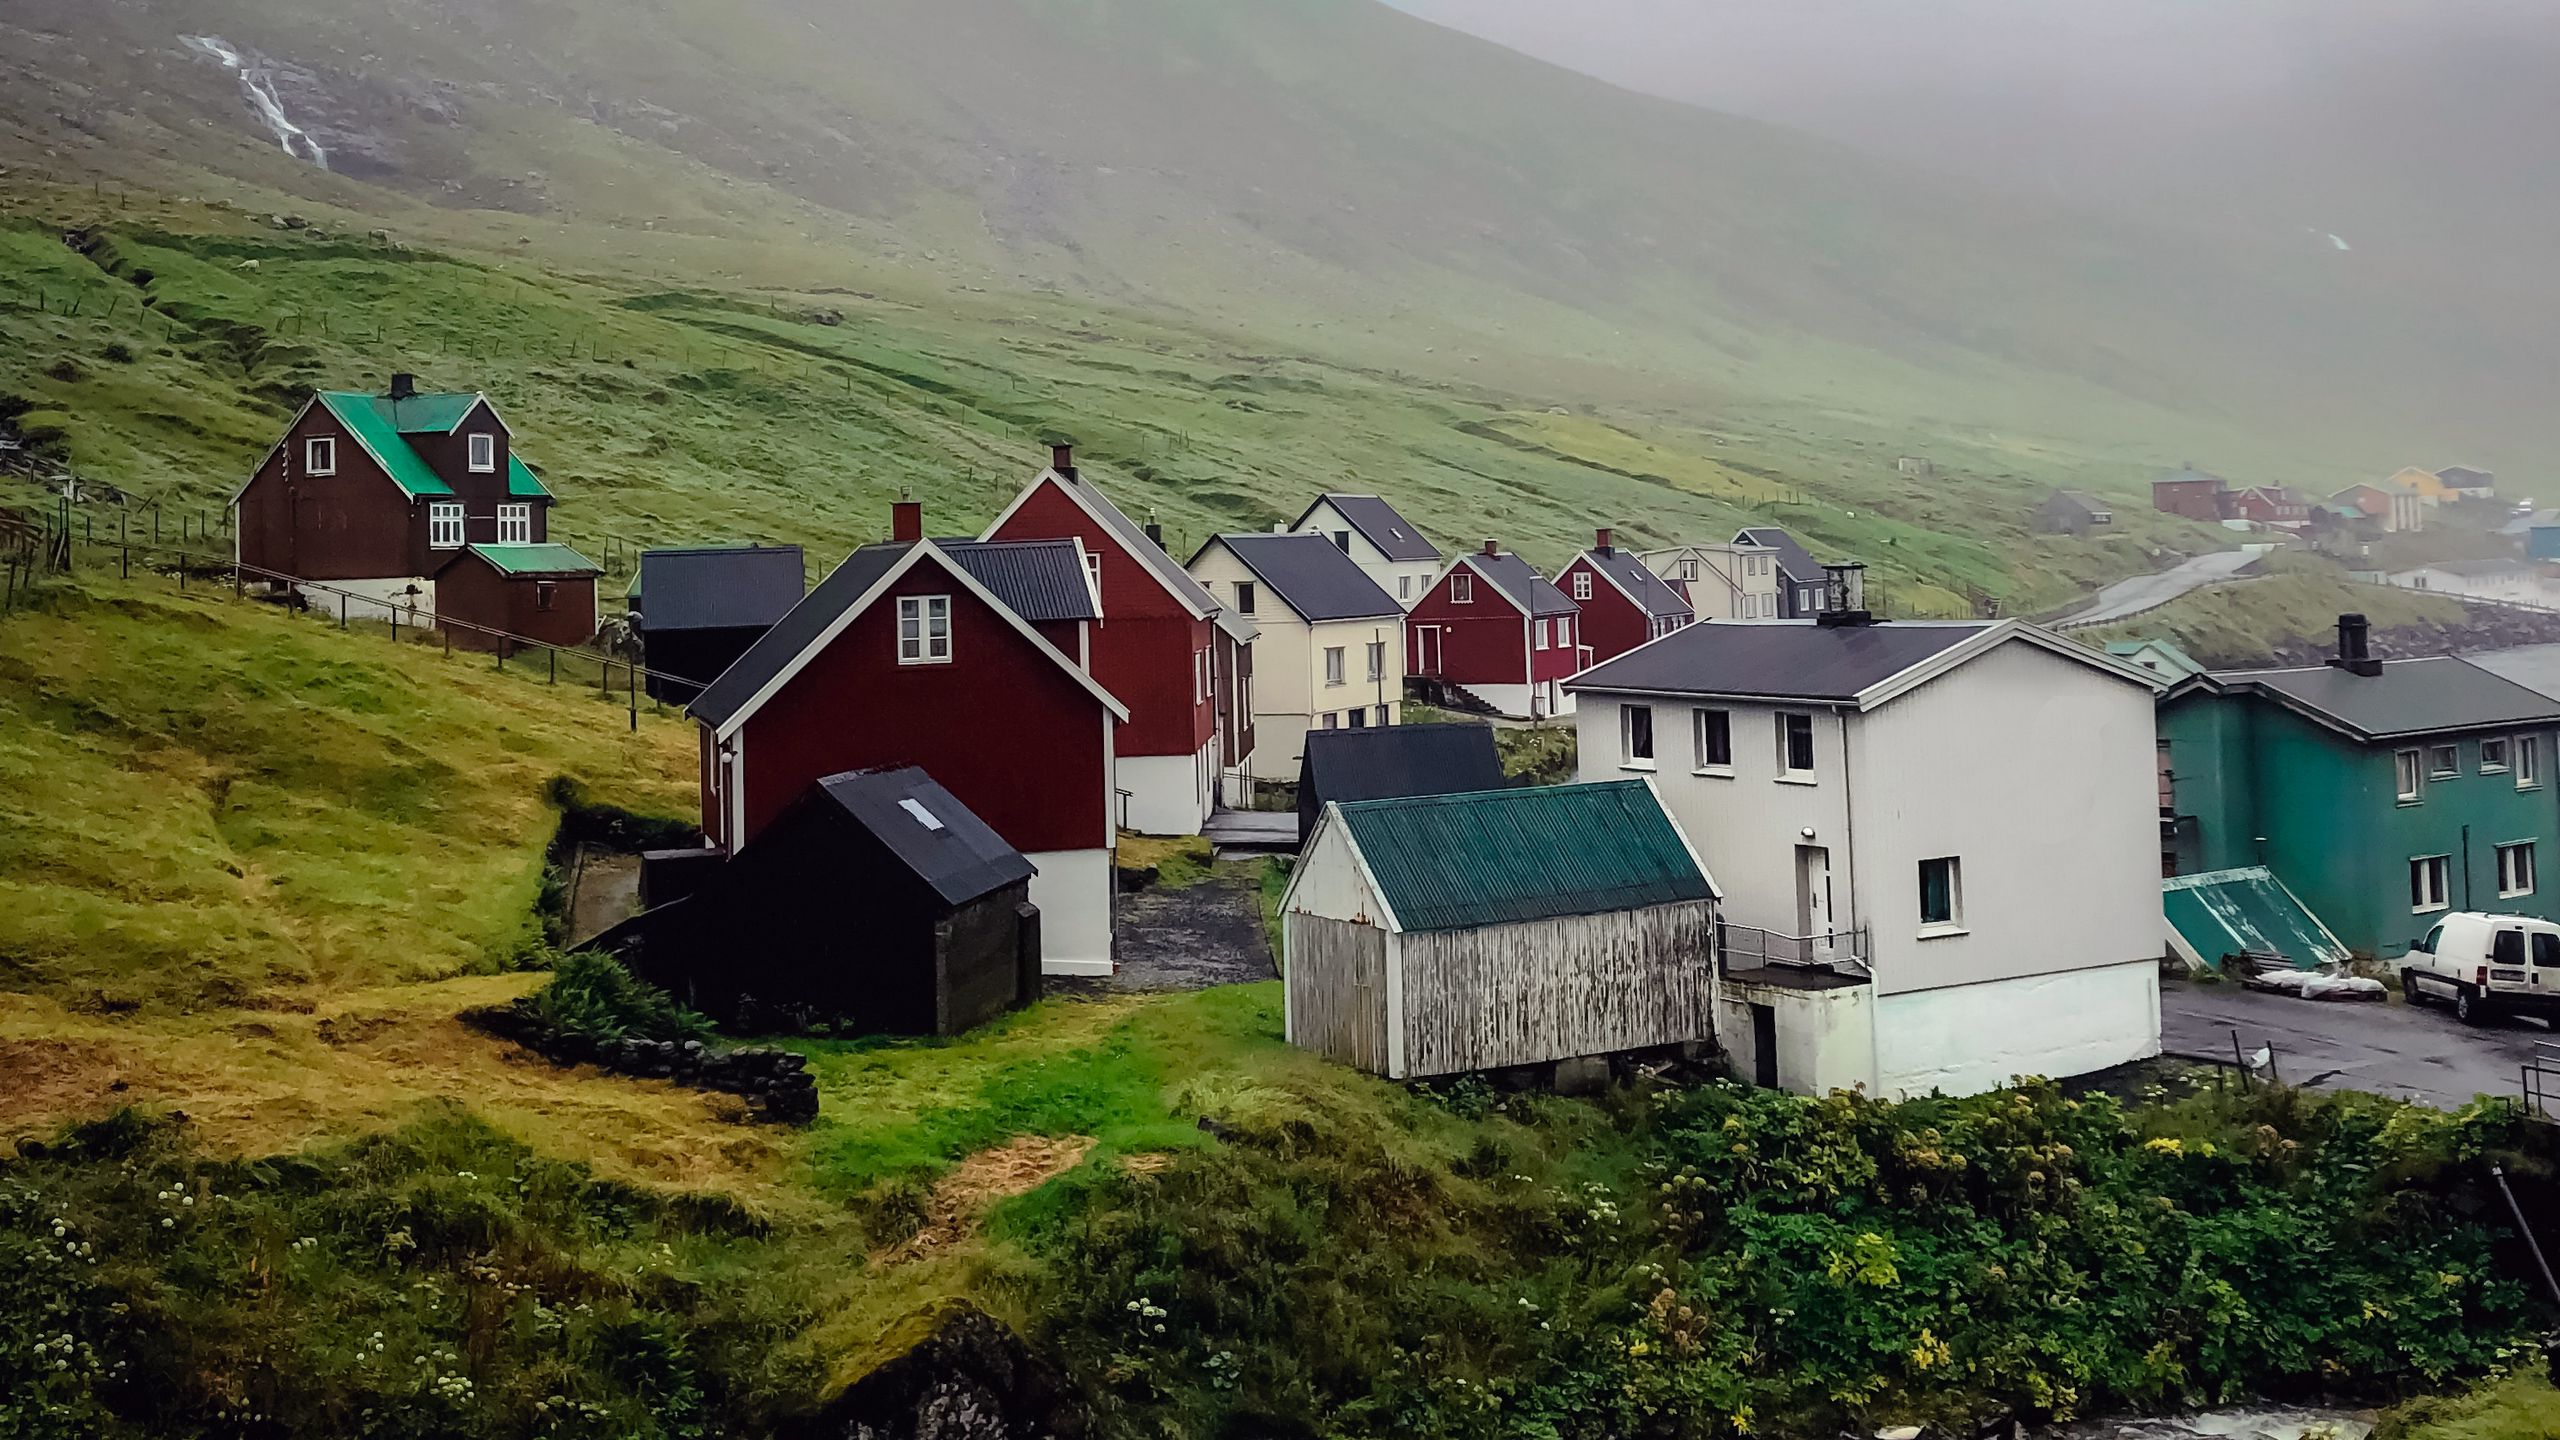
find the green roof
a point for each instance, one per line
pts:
(2246, 912)
(537, 560)
(435, 413)
(520, 479)
(381, 425)
(1492, 857)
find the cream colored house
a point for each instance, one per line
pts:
(1377, 537)
(1722, 582)
(1330, 652)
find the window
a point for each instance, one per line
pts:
(1715, 739)
(444, 525)
(484, 454)
(544, 593)
(2528, 762)
(1093, 575)
(1377, 659)
(1635, 729)
(1546, 636)
(1382, 716)
(1199, 676)
(1333, 665)
(2444, 761)
(1795, 746)
(1332, 720)
(924, 630)
(1360, 719)
(2493, 756)
(2515, 869)
(1941, 894)
(2506, 948)
(1404, 587)
(515, 524)
(320, 456)
(1244, 597)
(1342, 541)
(1581, 584)
(2412, 779)
(2426, 883)
(1462, 589)
(2546, 949)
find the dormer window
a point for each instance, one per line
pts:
(320, 456)
(1581, 584)
(484, 454)
(1462, 589)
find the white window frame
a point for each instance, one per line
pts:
(2439, 766)
(1787, 771)
(1701, 720)
(2504, 746)
(2430, 876)
(1627, 726)
(1093, 575)
(1462, 589)
(1688, 569)
(483, 448)
(1953, 921)
(2409, 770)
(1246, 599)
(1335, 671)
(1546, 635)
(2517, 869)
(1404, 587)
(515, 524)
(1377, 660)
(1581, 584)
(444, 524)
(924, 629)
(2527, 761)
(320, 455)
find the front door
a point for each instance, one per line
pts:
(1426, 649)
(1764, 1046)
(1813, 895)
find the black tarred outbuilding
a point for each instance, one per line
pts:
(1392, 762)
(698, 610)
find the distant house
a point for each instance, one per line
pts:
(1391, 549)
(1799, 574)
(374, 493)
(2193, 493)
(697, 610)
(1389, 764)
(1329, 647)
(2520, 526)
(1153, 651)
(2161, 657)
(2073, 512)
(1231, 678)
(2514, 582)
(964, 659)
(1723, 582)
(876, 903)
(2380, 792)
(1937, 842)
(1622, 602)
(2272, 507)
(2542, 544)
(2429, 487)
(488, 594)
(1498, 630)
(2391, 506)
(2467, 482)
(1445, 934)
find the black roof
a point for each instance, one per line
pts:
(1651, 591)
(1527, 588)
(1390, 761)
(1794, 559)
(947, 846)
(725, 587)
(1776, 660)
(1312, 576)
(2410, 697)
(1134, 539)
(1377, 521)
(1037, 579)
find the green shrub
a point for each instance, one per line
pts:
(593, 996)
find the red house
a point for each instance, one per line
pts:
(1490, 626)
(1154, 649)
(376, 493)
(488, 593)
(962, 658)
(2193, 493)
(1622, 602)
(2272, 506)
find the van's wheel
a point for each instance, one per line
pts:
(2409, 990)
(2469, 1008)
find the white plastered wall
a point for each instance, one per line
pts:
(1073, 891)
(1966, 1039)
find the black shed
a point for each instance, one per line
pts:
(698, 610)
(1392, 762)
(876, 903)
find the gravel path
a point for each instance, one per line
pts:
(1187, 939)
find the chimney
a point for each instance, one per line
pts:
(1844, 595)
(1062, 458)
(404, 385)
(1607, 535)
(2355, 647)
(906, 521)
(1492, 548)
(1155, 529)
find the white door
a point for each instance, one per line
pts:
(1813, 896)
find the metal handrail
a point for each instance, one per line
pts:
(1747, 947)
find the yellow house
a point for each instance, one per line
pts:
(2430, 489)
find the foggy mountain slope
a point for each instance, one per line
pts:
(1323, 156)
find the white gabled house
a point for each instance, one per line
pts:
(1938, 842)
(1387, 547)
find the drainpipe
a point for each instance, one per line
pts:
(1849, 826)
(2466, 867)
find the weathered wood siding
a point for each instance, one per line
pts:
(1337, 983)
(1553, 989)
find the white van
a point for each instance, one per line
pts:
(2486, 965)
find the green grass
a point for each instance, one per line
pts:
(2522, 1406)
(2242, 624)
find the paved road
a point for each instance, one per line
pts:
(2409, 1052)
(2127, 598)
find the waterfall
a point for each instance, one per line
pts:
(258, 81)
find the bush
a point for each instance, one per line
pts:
(592, 996)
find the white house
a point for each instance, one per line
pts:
(2512, 582)
(1723, 582)
(1938, 842)
(1387, 547)
(1329, 649)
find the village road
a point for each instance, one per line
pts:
(2408, 1052)
(2127, 598)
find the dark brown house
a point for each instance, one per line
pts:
(2073, 512)
(382, 490)
(537, 592)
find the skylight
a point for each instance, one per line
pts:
(923, 816)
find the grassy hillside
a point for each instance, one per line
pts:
(2242, 624)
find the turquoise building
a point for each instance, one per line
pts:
(2380, 792)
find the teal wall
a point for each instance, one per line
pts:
(2267, 787)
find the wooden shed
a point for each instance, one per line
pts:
(1435, 935)
(876, 902)
(539, 592)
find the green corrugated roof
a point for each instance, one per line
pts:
(2246, 911)
(368, 418)
(537, 560)
(1451, 862)
(520, 480)
(434, 413)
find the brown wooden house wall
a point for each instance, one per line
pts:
(473, 591)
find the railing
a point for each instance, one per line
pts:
(2538, 1086)
(1748, 947)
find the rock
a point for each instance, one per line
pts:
(971, 1379)
(1899, 1432)
(1587, 1075)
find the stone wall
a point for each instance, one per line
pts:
(775, 1084)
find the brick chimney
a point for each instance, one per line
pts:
(1062, 458)
(404, 385)
(1492, 547)
(906, 521)
(1608, 537)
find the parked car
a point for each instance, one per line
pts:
(2486, 965)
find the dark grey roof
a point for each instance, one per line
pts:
(2085, 501)
(2187, 475)
(726, 587)
(1396, 537)
(1311, 576)
(2535, 667)
(1134, 539)
(1652, 593)
(1794, 559)
(1385, 762)
(1527, 588)
(2409, 698)
(2463, 477)
(1036, 579)
(1776, 660)
(941, 840)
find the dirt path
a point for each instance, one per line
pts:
(1189, 938)
(976, 1184)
